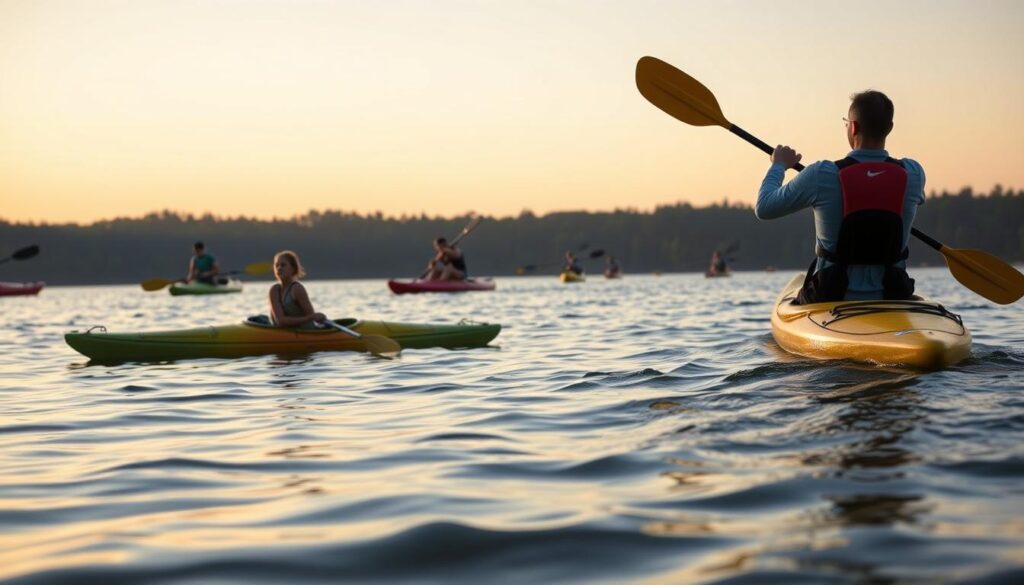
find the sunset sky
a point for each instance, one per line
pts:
(274, 107)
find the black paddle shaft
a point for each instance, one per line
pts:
(757, 142)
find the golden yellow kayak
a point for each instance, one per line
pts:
(918, 333)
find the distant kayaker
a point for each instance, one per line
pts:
(448, 263)
(612, 268)
(864, 206)
(202, 267)
(718, 265)
(572, 263)
(289, 303)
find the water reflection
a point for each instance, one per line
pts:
(654, 436)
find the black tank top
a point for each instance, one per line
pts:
(458, 263)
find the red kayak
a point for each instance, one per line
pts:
(10, 289)
(400, 287)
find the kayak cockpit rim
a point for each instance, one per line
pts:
(264, 322)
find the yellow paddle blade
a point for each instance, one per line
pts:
(985, 274)
(382, 346)
(156, 283)
(259, 268)
(677, 94)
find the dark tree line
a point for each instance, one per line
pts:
(332, 244)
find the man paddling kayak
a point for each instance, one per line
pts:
(448, 263)
(202, 267)
(864, 206)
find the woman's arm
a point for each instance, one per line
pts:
(302, 298)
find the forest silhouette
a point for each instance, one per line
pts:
(335, 244)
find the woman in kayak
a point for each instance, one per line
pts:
(448, 263)
(289, 303)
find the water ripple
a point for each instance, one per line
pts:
(645, 430)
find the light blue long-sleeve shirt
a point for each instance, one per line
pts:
(817, 187)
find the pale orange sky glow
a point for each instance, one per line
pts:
(271, 108)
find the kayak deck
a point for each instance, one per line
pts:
(917, 333)
(257, 337)
(424, 286)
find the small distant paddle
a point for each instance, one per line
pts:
(378, 345)
(22, 254)
(253, 270)
(465, 232)
(687, 100)
(521, 270)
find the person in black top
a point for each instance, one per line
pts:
(448, 263)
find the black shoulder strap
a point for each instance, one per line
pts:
(845, 162)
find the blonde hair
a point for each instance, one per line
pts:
(293, 259)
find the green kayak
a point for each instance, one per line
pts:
(223, 286)
(256, 336)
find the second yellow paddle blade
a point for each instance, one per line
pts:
(155, 283)
(677, 94)
(259, 268)
(382, 346)
(985, 274)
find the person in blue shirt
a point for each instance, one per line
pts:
(202, 267)
(864, 206)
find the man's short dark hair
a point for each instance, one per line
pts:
(442, 240)
(873, 110)
(199, 246)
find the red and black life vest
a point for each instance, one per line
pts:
(871, 232)
(872, 228)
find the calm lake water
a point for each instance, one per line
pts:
(646, 430)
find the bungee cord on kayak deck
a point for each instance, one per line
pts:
(870, 308)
